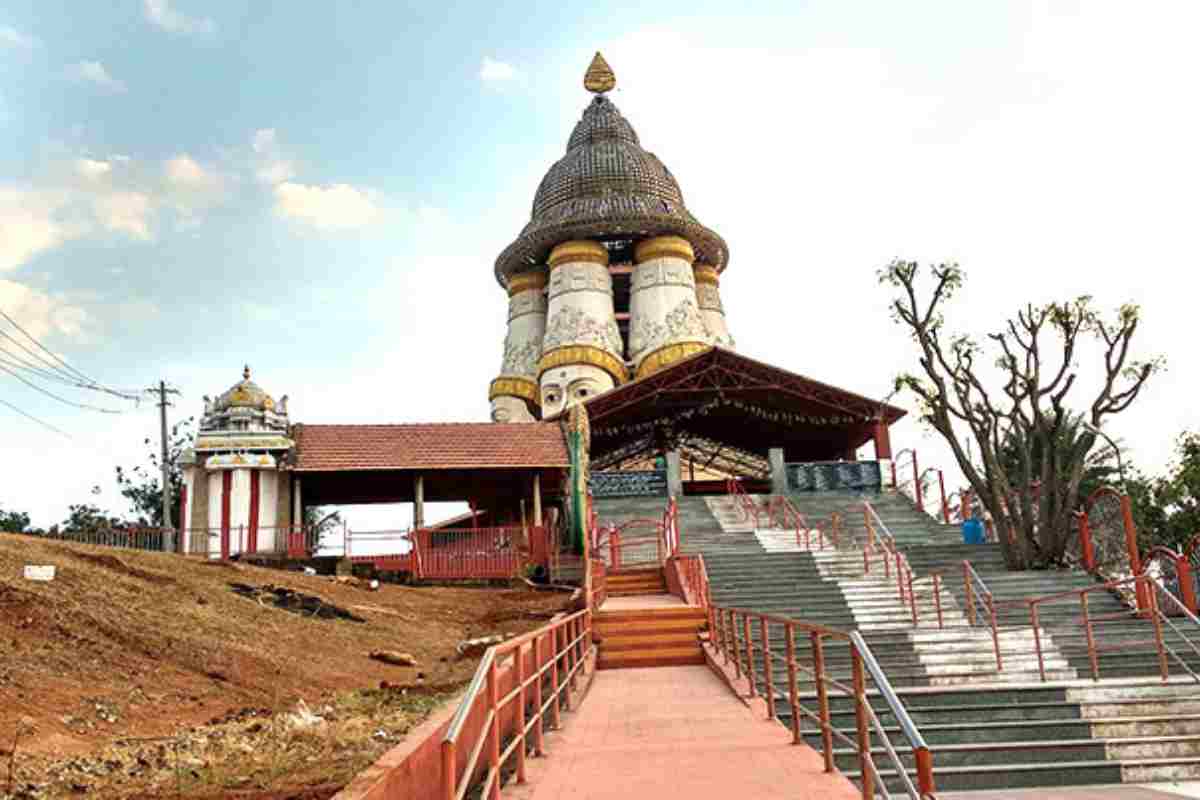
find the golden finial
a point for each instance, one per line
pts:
(246, 373)
(599, 77)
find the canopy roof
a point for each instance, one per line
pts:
(724, 410)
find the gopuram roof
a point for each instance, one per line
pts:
(722, 409)
(608, 188)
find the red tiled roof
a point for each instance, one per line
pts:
(450, 445)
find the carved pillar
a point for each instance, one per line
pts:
(514, 395)
(708, 296)
(778, 470)
(581, 352)
(664, 320)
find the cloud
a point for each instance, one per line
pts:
(126, 212)
(95, 72)
(91, 169)
(160, 14)
(272, 167)
(39, 313)
(11, 37)
(184, 171)
(30, 223)
(337, 206)
(493, 71)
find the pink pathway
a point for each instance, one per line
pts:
(673, 732)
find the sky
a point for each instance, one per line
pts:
(320, 191)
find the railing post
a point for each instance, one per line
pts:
(789, 633)
(991, 604)
(749, 654)
(764, 633)
(1164, 667)
(1187, 585)
(1088, 550)
(912, 598)
(557, 720)
(519, 673)
(945, 505)
(917, 488)
(1037, 638)
(865, 764)
(449, 770)
(539, 728)
(494, 733)
(937, 597)
(737, 646)
(818, 649)
(1141, 589)
(970, 593)
(1091, 640)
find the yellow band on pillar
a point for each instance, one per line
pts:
(511, 386)
(664, 247)
(526, 281)
(576, 251)
(583, 354)
(665, 356)
(706, 273)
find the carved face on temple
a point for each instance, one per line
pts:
(510, 409)
(577, 383)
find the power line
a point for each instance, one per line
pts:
(35, 419)
(49, 393)
(61, 367)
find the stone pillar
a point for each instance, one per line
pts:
(537, 499)
(581, 352)
(778, 471)
(664, 320)
(708, 296)
(297, 505)
(674, 475)
(419, 501)
(514, 394)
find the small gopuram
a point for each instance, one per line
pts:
(614, 302)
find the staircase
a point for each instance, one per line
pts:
(649, 637)
(988, 729)
(627, 583)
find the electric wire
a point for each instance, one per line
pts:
(17, 362)
(49, 393)
(35, 419)
(61, 367)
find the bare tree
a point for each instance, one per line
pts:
(1028, 414)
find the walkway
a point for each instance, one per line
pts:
(673, 732)
(1152, 792)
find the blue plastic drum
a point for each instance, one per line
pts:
(973, 532)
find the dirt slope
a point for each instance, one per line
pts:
(130, 644)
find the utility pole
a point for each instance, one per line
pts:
(168, 530)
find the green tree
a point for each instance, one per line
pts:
(1167, 507)
(1023, 403)
(13, 521)
(321, 521)
(141, 484)
(88, 518)
(1099, 465)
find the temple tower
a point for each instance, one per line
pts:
(632, 275)
(237, 496)
(514, 395)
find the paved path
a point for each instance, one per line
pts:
(1159, 792)
(673, 732)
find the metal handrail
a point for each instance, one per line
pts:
(731, 635)
(749, 509)
(921, 752)
(789, 514)
(570, 650)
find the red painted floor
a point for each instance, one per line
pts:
(673, 732)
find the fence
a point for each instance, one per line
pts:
(734, 636)
(638, 542)
(132, 538)
(512, 704)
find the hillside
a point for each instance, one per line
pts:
(126, 645)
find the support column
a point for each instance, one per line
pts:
(674, 475)
(419, 501)
(883, 441)
(664, 320)
(582, 349)
(708, 296)
(514, 395)
(778, 470)
(297, 506)
(537, 499)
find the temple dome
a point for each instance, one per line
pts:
(606, 187)
(245, 394)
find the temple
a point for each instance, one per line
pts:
(613, 303)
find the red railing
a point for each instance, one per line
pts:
(733, 635)
(745, 504)
(129, 538)
(469, 553)
(513, 702)
(783, 514)
(639, 542)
